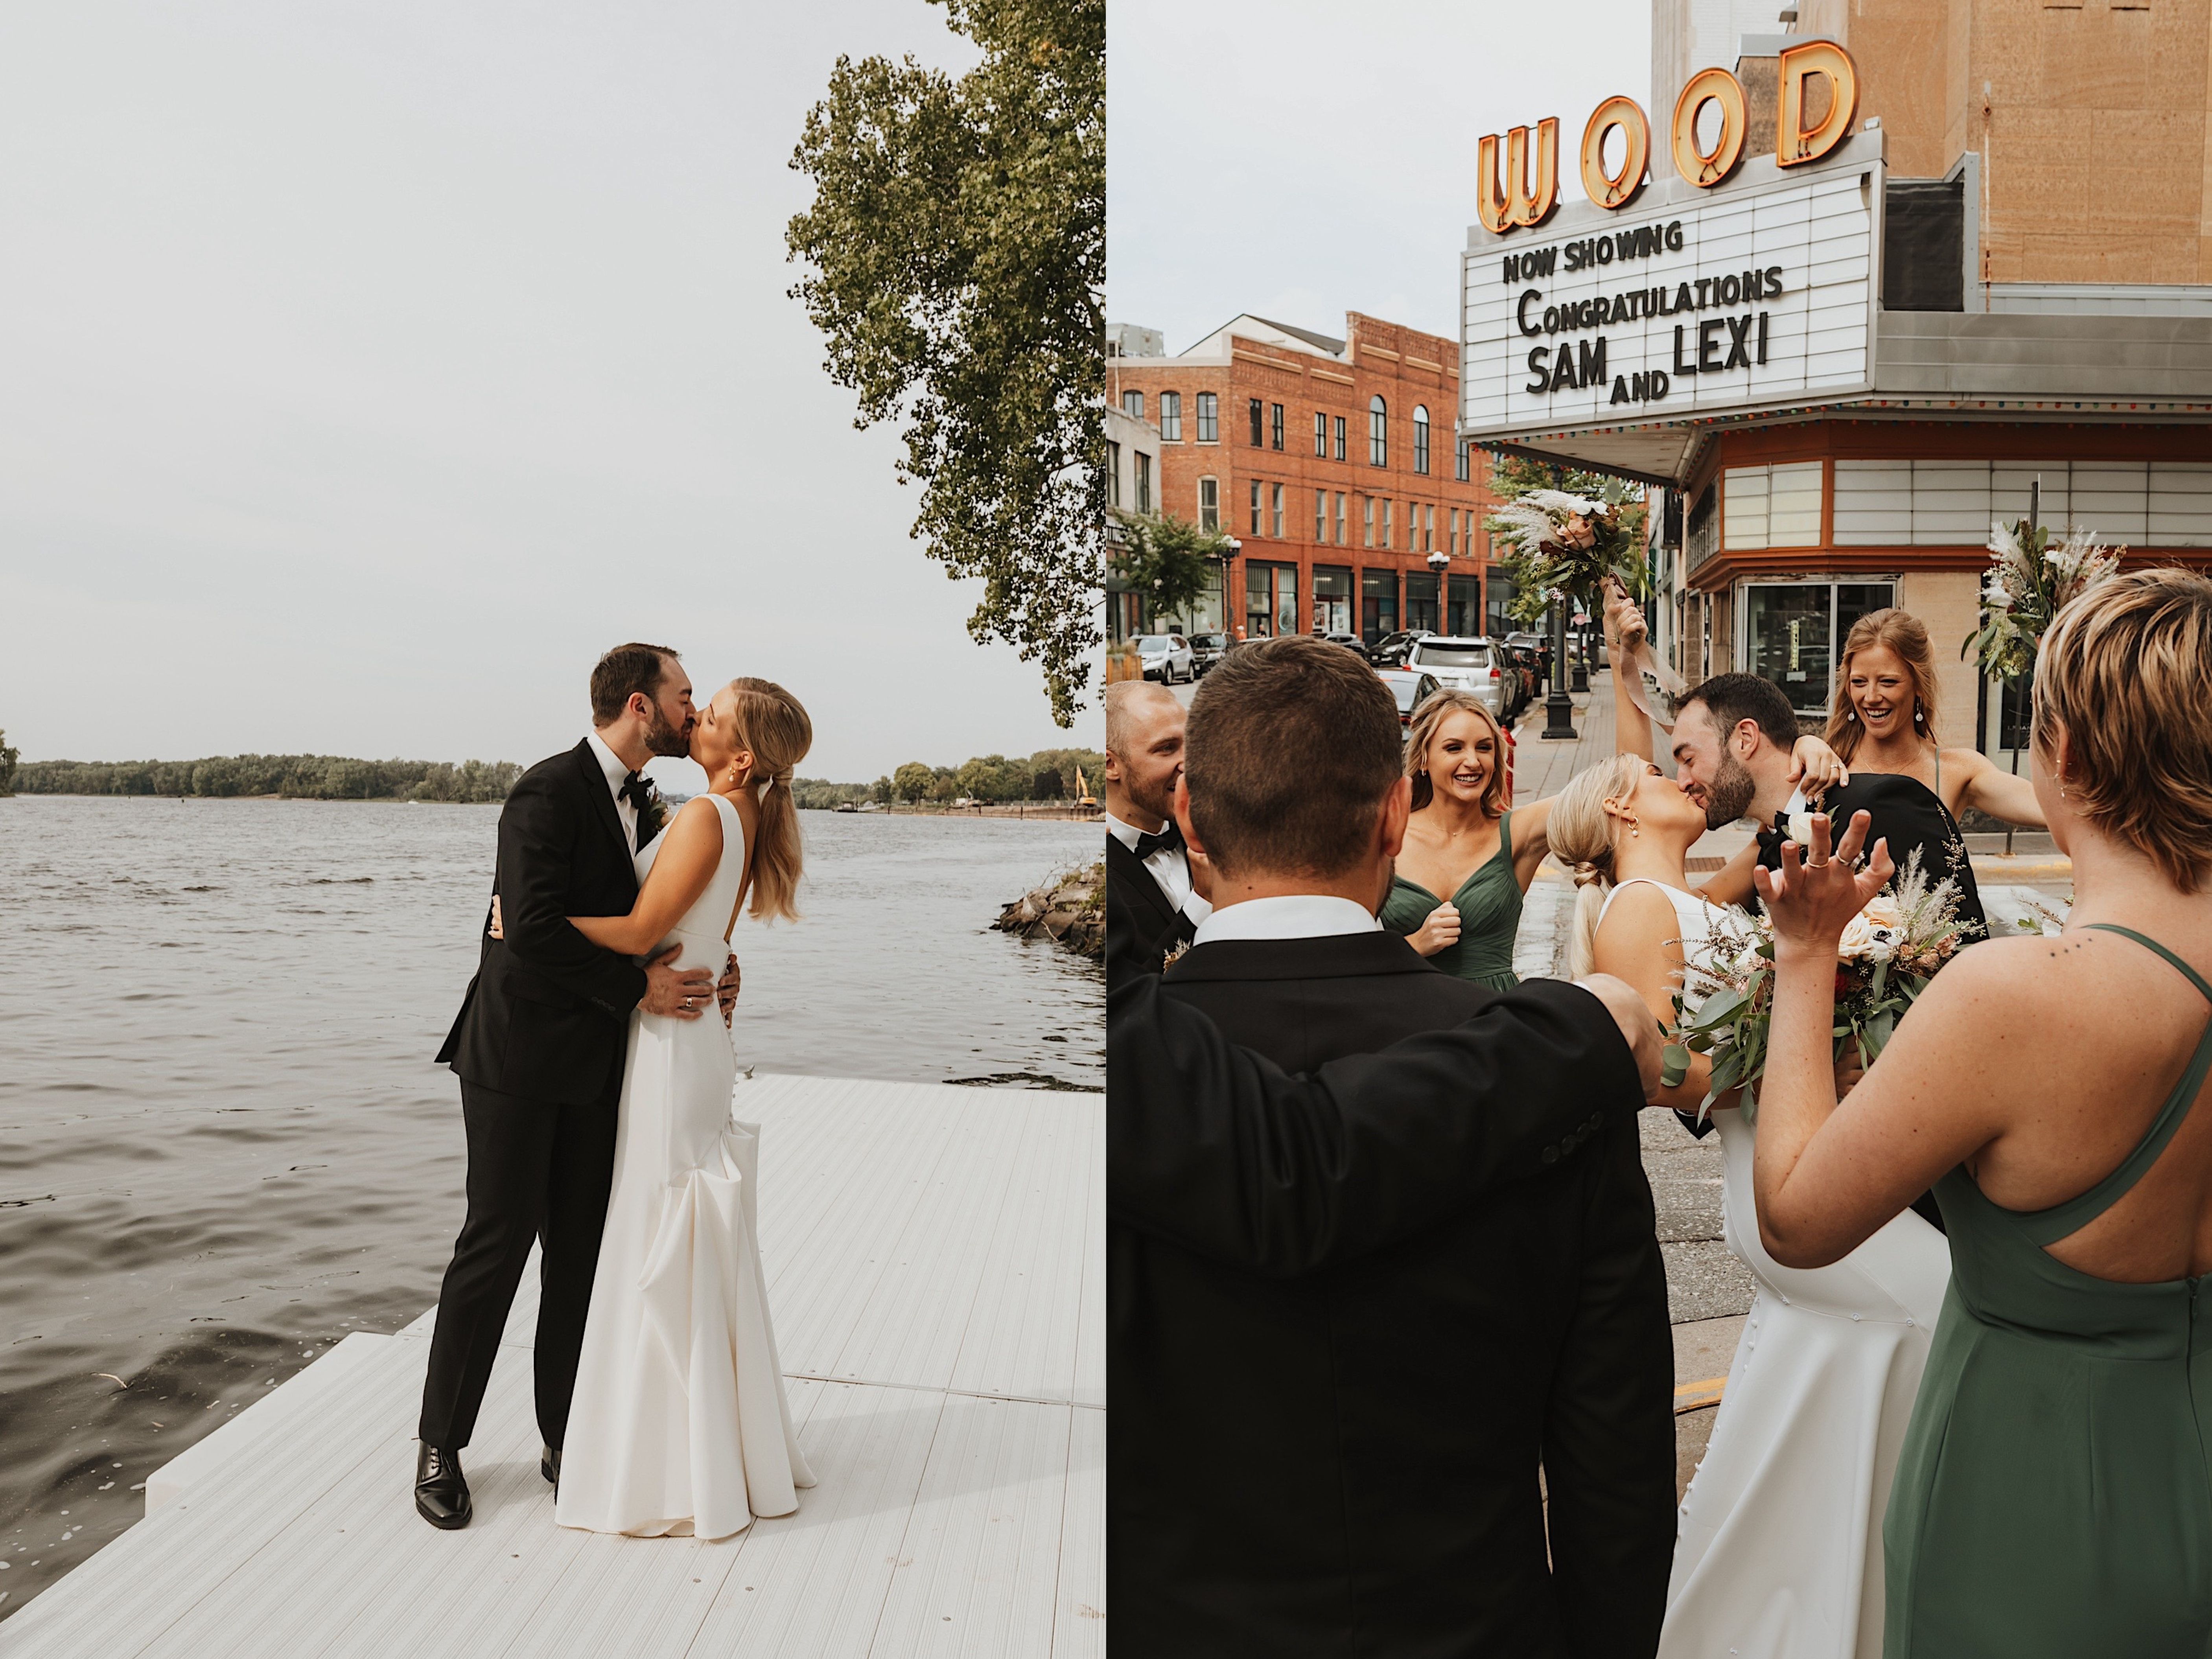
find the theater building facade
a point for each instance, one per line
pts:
(1808, 357)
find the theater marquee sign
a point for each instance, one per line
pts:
(1745, 284)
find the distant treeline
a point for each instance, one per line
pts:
(1049, 775)
(303, 777)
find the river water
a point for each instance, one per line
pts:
(223, 1143)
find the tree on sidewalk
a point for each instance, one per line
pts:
(957, 250)
(1168, 560)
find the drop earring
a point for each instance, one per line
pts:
(1852, 712)
(1919, 716)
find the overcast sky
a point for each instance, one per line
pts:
(1299, 159)
(372, 364)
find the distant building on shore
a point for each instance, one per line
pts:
(1331, 461)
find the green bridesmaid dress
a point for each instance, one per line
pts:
(2053, 1499)
(1489, 906)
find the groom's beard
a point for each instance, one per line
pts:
(664, 739)
(1730, 796)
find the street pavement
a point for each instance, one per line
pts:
(1708, 1290)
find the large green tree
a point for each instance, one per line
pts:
(957, 252)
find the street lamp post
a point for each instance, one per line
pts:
(1228, 559)
(1440, 561)
(1558, 708)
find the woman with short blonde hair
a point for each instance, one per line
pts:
(2052, 1497)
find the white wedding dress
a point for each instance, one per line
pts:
(1778, 1554)
(679, 1425)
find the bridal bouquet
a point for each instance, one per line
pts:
(2030, 579)
(1552, 541)
(1887, 954)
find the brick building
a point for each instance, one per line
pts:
(1331, 461)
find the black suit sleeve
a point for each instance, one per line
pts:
(1211, 1147)
(538, 833)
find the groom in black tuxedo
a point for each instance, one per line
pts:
(1343, 1339)
(538, 1046)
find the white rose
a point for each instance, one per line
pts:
(1801, 829)
(1871, 935)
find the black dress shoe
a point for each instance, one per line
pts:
(441, 1491)
(549, 1465)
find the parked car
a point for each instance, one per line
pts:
(1464, 662)
(1350, 642)
(1208, 649)
(1540, 647)
(1166, 658)
(1410, 686)
(1523, 661)
(1390, 650)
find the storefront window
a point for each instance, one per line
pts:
(1271, 599)
(1331, 605)
(1466, 609)
(1421, 600)
(1496, 622)
(1790, 630)
(1378, 604)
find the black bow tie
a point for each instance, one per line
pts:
(635, 790)
(1166, 840)
(1775, 834)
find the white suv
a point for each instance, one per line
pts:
(1166, 658)
(1464, 663)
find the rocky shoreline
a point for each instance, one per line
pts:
(1070, 908)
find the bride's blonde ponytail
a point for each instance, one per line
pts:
(1581, 833)
(771, 723)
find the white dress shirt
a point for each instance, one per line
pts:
(611, 764)
(1170, 872)
(1294, 915)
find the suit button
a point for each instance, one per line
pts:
(1550, 1155)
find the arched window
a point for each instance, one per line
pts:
(1378, 432)
(1420, 437)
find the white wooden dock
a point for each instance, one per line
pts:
(936, 1268)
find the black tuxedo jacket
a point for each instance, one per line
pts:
(1347, 1319)
(1912, 817)
(1141, 925)
(547, 1016)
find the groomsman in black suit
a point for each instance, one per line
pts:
(1152, 907)
(1346, 1332)
(538, 1046)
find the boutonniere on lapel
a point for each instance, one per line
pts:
(652, 815)
(1175, 953)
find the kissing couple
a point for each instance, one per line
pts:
(597, 1103)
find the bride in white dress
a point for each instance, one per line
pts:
(1778, 1554)
(680, 1427)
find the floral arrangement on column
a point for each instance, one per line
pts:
(2033, 576)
